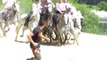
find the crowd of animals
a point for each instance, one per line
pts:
(57, 30)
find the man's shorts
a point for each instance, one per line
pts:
(31, 45)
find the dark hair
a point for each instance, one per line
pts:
(37, 0)
(42, 23)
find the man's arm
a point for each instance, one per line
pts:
(30, 39)
(57, 7)
(42, 36)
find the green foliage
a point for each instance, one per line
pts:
(25, 6)
(90, 23)
(90, 19)
(102, 31)
(102, 5)
(54, 1)
(1, 5)
(73, 1)
(0, 1)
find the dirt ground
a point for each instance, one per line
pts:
(91, 47)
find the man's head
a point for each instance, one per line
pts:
(60, 1)
(42, 23)
(37, 0)
(44, 1)
(65, 1)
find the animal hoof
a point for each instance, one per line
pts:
(21, 35)
(15, 40)
(32, 58)
(4, 35)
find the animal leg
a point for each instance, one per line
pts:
(29, 28)
(75, 39)
(6, 25)
(23, 31)
(17, 31)
(4, 34)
